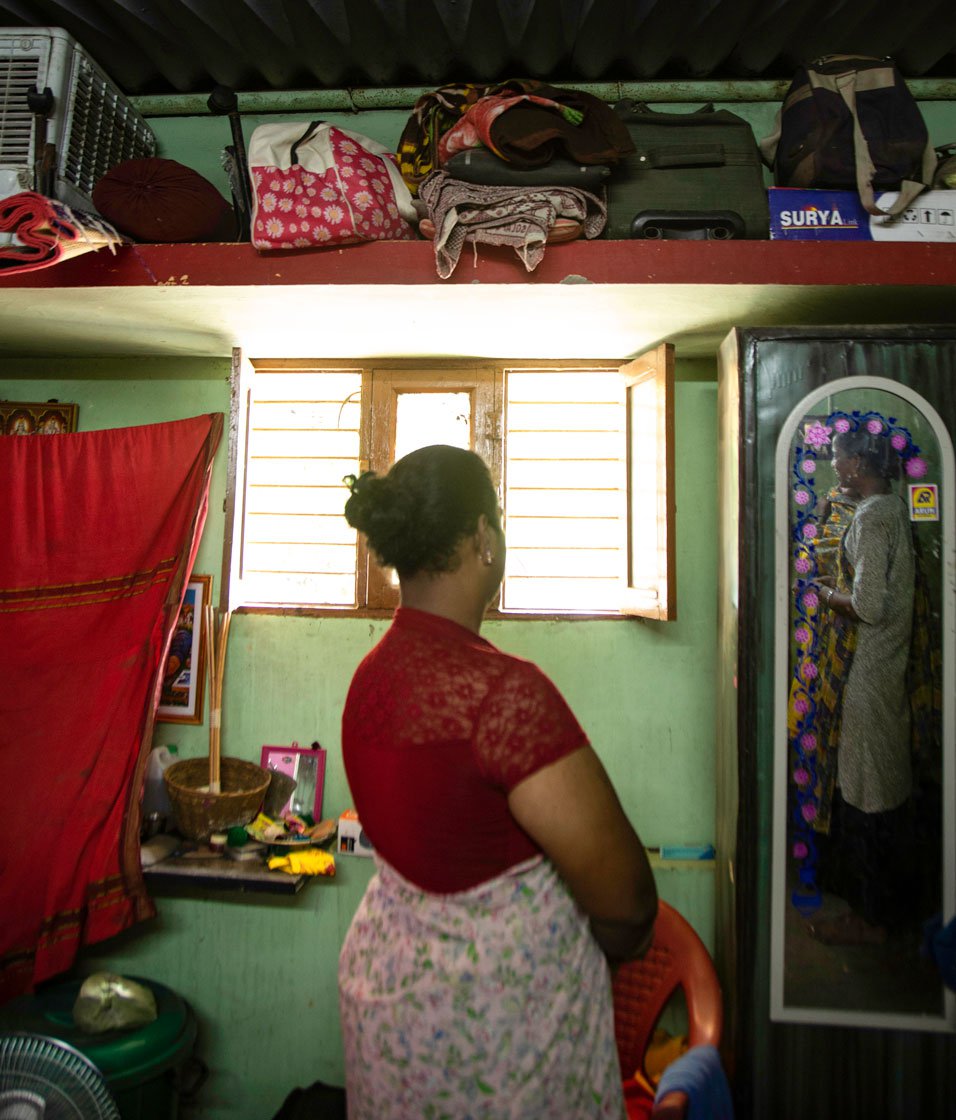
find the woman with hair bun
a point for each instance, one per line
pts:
(474, 979)
(866, 698)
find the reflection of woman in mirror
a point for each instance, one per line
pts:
(864, 696)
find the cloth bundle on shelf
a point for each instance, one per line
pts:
(518, 164)
(523, 218)
(43, 232)
(524, 123)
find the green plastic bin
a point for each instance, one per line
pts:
(143, 1068)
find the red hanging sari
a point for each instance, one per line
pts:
(99, 533)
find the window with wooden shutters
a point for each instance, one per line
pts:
(564, 491)
(578, 450)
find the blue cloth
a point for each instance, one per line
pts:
(939, 944)
(699, 1074)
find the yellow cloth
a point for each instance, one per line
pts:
(308, 862)
(662, 1049)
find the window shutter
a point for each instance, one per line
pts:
(299, 427)
(564, 476)
(650, 587)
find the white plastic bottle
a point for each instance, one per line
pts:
(155, 797)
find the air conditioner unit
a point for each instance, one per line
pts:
(92, 125)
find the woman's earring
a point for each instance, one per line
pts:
(487, 559)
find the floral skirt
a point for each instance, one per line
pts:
(492, 1003)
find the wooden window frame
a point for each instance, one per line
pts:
(654, 371)
(484, 380)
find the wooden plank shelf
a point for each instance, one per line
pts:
(586, 299)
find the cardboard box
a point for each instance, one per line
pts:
(352, 840)
(798, 215)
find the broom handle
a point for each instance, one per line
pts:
(219, 676)
(214, 714)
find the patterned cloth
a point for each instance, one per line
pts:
(521, 129)
(100, 534)
(432, 115)
(439, 726)
(519, 217)
(474, 128)
(45, 232)
(489, 1004)
(337, 190)
(835, 515)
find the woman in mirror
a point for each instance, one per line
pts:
(474, 978)
(865, 716)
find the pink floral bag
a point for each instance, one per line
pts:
(314, 185)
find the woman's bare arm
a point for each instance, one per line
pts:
(570, 809)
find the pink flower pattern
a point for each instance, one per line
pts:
(818, 435)
(448, 1001)
(356, 195)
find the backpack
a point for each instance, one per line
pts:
(848, 122)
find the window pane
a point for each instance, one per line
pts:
(564, 489)
(542, 594)
(303, 438)
(422, 419)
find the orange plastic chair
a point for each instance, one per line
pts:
(641, 989)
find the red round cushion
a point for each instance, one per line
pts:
(162, 200)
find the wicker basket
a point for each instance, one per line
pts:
(243, 786)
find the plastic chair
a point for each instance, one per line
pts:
(641, 989)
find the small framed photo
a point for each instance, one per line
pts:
(184, 676)
(43, 418)
(306, 767)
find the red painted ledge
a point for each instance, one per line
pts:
(600, 262)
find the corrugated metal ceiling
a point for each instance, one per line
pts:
(189, 46)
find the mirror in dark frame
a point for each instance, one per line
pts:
(863, 816)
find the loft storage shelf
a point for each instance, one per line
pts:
(600, 262)
(586, 299)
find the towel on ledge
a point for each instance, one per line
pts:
(700, 1075)
(36, 232)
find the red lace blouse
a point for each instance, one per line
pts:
(438, 727)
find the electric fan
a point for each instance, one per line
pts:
(42, 1078)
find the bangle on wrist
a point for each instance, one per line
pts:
(829, 595)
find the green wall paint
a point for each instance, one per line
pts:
(198, 141)
(260, 973)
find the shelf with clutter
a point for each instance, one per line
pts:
(585, 298)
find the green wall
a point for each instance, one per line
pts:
(198, 141)
(643, 691)
(260, 972)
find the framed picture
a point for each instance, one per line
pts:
(27, 418)
(306, 767)
(184, 676)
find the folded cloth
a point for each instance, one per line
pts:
(531, 136)
(520, 217)
(699, 1074)
(433, 114)
(45, 231)
(473, 130)
(309, 862)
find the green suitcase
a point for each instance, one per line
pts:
(692, 175)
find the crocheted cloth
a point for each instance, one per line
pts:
(513, 216)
